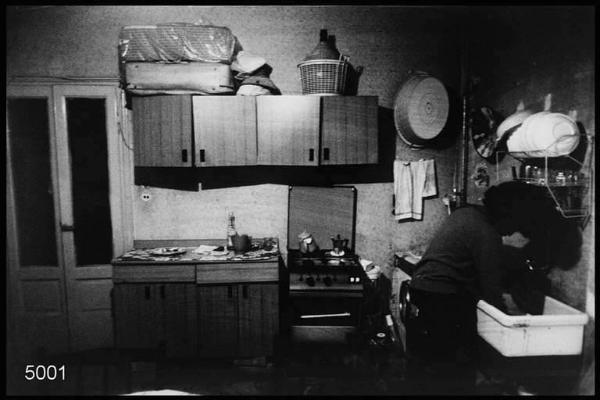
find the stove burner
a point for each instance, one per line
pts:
(325, 273)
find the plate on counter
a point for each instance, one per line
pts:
(167, 251)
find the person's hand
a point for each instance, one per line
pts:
(515, 240)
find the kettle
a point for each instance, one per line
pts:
(307, 243)
(339, 244)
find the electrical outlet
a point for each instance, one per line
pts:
(145, 196)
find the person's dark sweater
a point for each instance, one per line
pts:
(464, 256)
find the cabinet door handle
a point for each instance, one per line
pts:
(326, 154)
(245, 291)
(147, 292)
(184, 156)
(162, 291)
(311, 154)
(229, 292)
(67, 228)
(202, 159)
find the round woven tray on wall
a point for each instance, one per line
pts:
(420, 109)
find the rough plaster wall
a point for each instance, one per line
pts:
(260, 211)
(386, 41)
(523, 61)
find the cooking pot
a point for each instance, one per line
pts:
(339, 244)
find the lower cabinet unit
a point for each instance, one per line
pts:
(258, 319)
(237, 320)
(155, 315)
(217, 313)
(225, 310)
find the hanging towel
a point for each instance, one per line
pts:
(413, 180)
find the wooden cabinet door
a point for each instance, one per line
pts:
(287, 130)
(217, 320)
(349, 130)
(224, 130)
(179, 309)
(258, 318)
(162, 130)
(138, 315)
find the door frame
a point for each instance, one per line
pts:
(121, 184)
(16, 309)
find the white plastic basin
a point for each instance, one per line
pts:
(558, 331)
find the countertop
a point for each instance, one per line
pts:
(205, 253)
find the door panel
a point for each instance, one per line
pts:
(179, 302)
(217, 320)
(151, 331)
(349, 134)
(33, 192)
(224, 130)
(288, 130)
(138, 315)
(37, 297)
(162, 128)
(90, 188)
(86, 129)
(60, 278)
(125, 305)
(258, 319)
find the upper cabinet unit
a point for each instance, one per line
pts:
(162, 130)
(349, 130)
(219, 131)
(288, 130)
(224, 130)
(317, 130)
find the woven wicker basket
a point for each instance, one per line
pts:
(323, 76)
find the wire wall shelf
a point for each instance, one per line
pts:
(568, 180)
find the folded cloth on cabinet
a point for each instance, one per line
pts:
(413, 180)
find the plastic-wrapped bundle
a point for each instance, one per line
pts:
(177, 42)
(178, 78)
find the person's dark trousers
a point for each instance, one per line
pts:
(441, 341)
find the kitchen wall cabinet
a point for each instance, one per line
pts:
(246, 130)
(224, 130)
(162, 130)
(288, 130)
(349, 130)
(317, 130)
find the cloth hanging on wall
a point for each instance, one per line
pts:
(413, 180)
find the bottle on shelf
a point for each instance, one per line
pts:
(324, 50)
(392, 332)
(231, 232)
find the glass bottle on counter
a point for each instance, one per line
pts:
(231, 232)
(392, 331)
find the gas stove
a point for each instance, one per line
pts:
(326, 289)
(324, 272)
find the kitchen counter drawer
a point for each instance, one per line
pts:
(154, 273)
(237, 272)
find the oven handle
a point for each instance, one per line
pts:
(344, 314)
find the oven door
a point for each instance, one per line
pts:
(322, 317)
